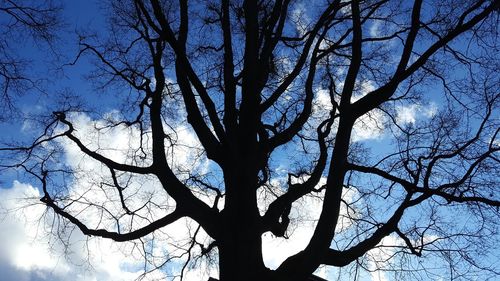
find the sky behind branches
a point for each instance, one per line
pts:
(29, 252)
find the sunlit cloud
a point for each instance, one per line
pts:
(409, 114)
(300, 18)
(29, 252)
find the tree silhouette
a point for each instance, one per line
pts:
(281, 96)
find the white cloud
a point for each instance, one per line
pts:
(375, 28)
(28, 253)
(300, 18)
(31, 252)
(16, 241)
(369, 126)
(379, 257)
(346, 10)
(408, 114)
(363, 88)
(322, 102)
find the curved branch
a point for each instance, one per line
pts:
(106, 161)
(116, 236)
(279, 207)
(136, 234)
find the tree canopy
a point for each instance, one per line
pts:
(374, 122)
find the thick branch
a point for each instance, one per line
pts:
(382, 94)
(178, 47)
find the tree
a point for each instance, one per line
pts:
(262, 83)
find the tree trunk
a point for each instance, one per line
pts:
(240, 259)
(240, 247)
